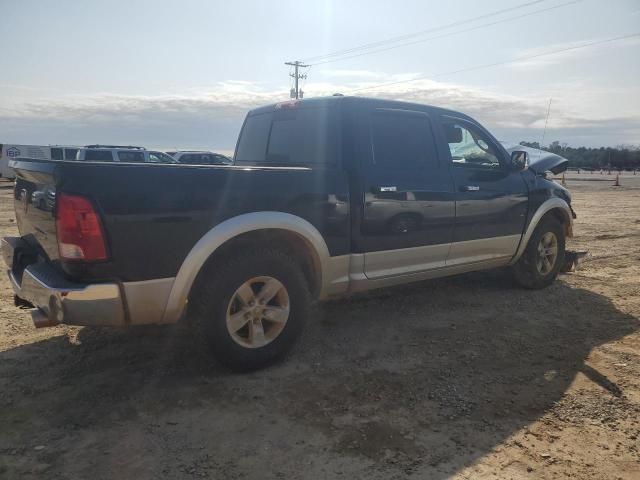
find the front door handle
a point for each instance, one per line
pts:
(470, 188)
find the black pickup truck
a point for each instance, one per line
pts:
(325, 197)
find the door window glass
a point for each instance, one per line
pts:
(253, 138)
(293, 136)
(98, 156)
(302, 136)
(134, 157)
(469, 146)
(402, 140)
(221, 160)
(159, 157)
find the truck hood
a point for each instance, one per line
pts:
(539, 160)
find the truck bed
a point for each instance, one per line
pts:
(161, 211)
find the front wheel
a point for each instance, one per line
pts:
(252, 308)
(541, 261)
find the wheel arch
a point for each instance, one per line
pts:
(555, 207)
(282, 230)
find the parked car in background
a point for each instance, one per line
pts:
(120, 153)
(194, 157)
(326, 197)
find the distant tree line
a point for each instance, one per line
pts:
(622, 157)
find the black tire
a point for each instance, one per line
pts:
(526, 271)
(214, 291)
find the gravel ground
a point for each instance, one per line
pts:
(466, 377)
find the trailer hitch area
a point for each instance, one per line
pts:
(571, 260)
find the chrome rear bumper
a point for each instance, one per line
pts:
(59, 300)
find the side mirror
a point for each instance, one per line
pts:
(519, 159)
(453, 133)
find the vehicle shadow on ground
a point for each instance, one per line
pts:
(421, 379)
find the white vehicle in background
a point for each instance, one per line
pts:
(41, 152)
(121, 153)
(200, 157)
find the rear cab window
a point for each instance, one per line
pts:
(299, 136)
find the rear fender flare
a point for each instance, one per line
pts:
(226, 231)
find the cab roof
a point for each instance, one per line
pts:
(374, 102)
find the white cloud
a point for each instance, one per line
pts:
(352, 73)
(212, 119)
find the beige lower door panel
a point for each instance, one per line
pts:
(472, 251)
(404, 261)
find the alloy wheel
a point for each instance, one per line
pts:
(258, 312)
(547, 253)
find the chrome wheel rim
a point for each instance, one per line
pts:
(547, 253)
(258, 312)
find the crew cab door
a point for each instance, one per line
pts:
(491, 197)
(408, 210)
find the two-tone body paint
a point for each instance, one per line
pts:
(154, 214)
(163, 221)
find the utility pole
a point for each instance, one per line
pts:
(296, 92)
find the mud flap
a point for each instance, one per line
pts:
(571, 260)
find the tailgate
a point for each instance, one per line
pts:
(34, 200)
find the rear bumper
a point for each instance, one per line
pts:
(59, 300)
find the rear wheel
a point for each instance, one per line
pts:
(541, 261)
(252, 308)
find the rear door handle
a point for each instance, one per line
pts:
(470, 188)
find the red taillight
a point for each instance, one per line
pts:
(79, 232)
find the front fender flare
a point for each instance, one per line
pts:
(229, 229)
(546, 207)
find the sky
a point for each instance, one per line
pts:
(182, 74)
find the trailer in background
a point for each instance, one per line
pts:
(41, 152)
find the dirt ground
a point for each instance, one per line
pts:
(466, 377)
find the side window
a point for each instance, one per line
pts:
(159, 157)
(290, 136)
(56, 154)
(98, 156)
(304, 136)
(253, 138)
(132, 157)
(469, 146)
(402, 140)
(70, 153)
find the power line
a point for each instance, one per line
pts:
(496, 64)
(457, 32)
(296, 92)
(422, 32)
